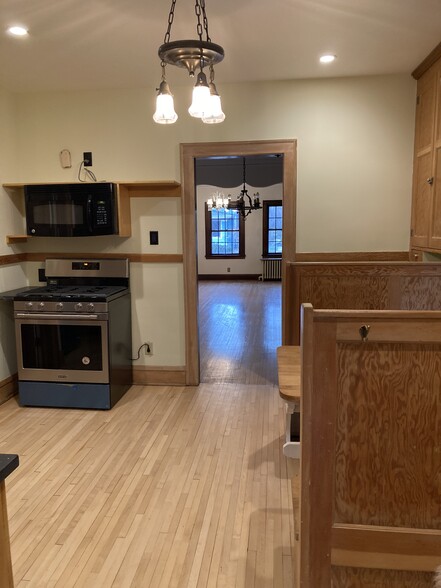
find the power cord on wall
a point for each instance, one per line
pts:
(147, 346)
(89, 174)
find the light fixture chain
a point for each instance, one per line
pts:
(205, 19)
(197, 9)
(171, 16)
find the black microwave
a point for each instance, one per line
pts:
(71, 210)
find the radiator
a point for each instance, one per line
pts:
(272, 269)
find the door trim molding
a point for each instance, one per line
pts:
(189, 152)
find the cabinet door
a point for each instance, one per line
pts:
(421, 202)
(423, 158)
(435, 229)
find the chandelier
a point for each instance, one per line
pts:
(244, 204)
(192, 55)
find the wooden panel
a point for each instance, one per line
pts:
(353, 256)
(371, 453)
(421, 200)
(362, 285)
(425, 111)
(389, 413)
(435, 229)
(124, 218)
(365, 578)
(345, 291)
(370, 538)
(159, 376)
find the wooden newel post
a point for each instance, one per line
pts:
(8, 463)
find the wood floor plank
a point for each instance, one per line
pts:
(174, 487)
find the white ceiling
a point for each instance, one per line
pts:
(76, 45)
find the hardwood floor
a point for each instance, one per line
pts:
(240, 328)
(174, 487)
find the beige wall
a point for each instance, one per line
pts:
(354, 136)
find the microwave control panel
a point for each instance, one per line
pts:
(101, 213)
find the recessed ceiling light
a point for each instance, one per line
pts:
(327, 58)
(18, 31)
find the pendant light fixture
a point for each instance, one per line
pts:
(244, 203)
(192, 55)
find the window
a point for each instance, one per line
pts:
(224, 233)
(272, 228)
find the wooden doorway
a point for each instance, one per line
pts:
(189, 152)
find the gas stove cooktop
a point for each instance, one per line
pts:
(70, 293)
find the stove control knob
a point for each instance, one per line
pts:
(41, 305)
(59, 306)
(78, 306)
(90, 306)
(29, 305)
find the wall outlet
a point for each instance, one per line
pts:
(148, 348)
(87, 158)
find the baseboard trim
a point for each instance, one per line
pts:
(159, 376)
(8, 388)
(228, 277)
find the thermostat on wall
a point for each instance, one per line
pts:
(65, 158)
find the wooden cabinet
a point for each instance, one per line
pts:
(126, 191)
(426, 193)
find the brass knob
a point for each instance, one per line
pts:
(429, 181)
(364, 332)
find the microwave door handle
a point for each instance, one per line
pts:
(89, 214)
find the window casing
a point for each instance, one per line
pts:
(272, 228)
(224, 234)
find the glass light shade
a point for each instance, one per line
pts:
(18, 31)
(219, 201)
(214, 113)
(165, 110)
(328, 58)
(210, 203)
(201, 97)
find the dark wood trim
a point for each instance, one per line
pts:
(159, 376)
(189, 153)
(209, 230)
(178, 257)
(12, 259)
(132, 257)
(433, 56)
(354, 256)
(265, 223)
(229, 277)
(8, 388)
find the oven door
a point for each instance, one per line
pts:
(69, 348)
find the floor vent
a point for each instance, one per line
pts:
(272, 269)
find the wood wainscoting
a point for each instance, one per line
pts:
(8, 388)
(362, 286)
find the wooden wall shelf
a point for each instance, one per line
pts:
(126, 190)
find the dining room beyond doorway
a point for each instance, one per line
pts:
(239, 330)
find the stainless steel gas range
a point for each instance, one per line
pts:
(73, 336)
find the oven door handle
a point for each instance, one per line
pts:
(35, 315)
